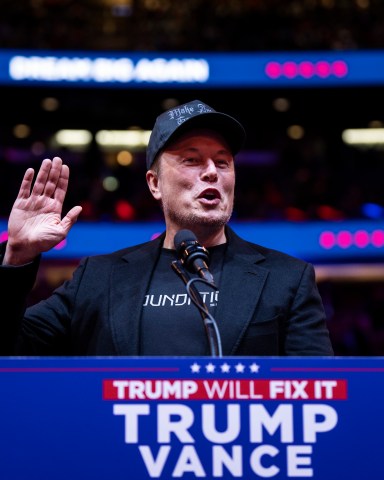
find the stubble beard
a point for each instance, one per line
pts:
(197, 221)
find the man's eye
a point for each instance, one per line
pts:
(190, 160)
(222, 163)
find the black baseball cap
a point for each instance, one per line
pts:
(193, 115)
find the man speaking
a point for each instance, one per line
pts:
(131, 302)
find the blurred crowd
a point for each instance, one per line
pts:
(199, 25)
(311, 176)
(314, 177)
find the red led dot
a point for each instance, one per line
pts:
(327, 240)
(306, 69)
(361, 238)
(273, 70)
(290, 69)
(124, 210)
(344, 239)
(377, 238)
(323, 69)
(339, 68)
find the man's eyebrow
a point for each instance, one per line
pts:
(189, 149)
(225, 151)
(197, 150)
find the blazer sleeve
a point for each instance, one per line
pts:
(43, 329)
(15, 285)
(306, 332)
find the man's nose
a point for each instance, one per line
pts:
(209, 172)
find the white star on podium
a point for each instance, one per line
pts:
(195, 368)
(254, 368)
(240, 368)
(225, 367)
(210, 368)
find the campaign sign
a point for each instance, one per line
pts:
(196, 417)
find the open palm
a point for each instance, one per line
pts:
(35, 224)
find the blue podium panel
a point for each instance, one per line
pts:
(196, 417)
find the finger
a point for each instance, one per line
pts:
(25, 187)
(53, 177)
(71, 218)
(62, 185)
(41, 178)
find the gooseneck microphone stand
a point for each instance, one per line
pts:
(211, 329)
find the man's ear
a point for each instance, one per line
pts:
(153, 184)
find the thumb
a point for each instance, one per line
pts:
(71, 218)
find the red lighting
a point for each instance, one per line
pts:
(323, 69)
(326, 212)
(361, 238)
(273, 70)
(306, 69)
(346, 239)
(290, 69)
(327, 240)
(377, 238)
(61, 245)
(340, 68)
(3, 236)
(155, 235)
(295, 214)
(124, 210)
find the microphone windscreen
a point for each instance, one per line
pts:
(182, 237)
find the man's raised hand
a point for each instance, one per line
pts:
(35, 224)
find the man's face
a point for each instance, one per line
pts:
(196, 182)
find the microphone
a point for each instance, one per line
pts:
(193, 256)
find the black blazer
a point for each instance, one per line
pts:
(269, 305)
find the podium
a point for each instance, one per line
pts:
(138, 418)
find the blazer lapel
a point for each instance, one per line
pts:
(242, 281)
(129, 283)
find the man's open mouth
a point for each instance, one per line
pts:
(210, 194)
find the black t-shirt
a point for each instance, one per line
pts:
(168, 305)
